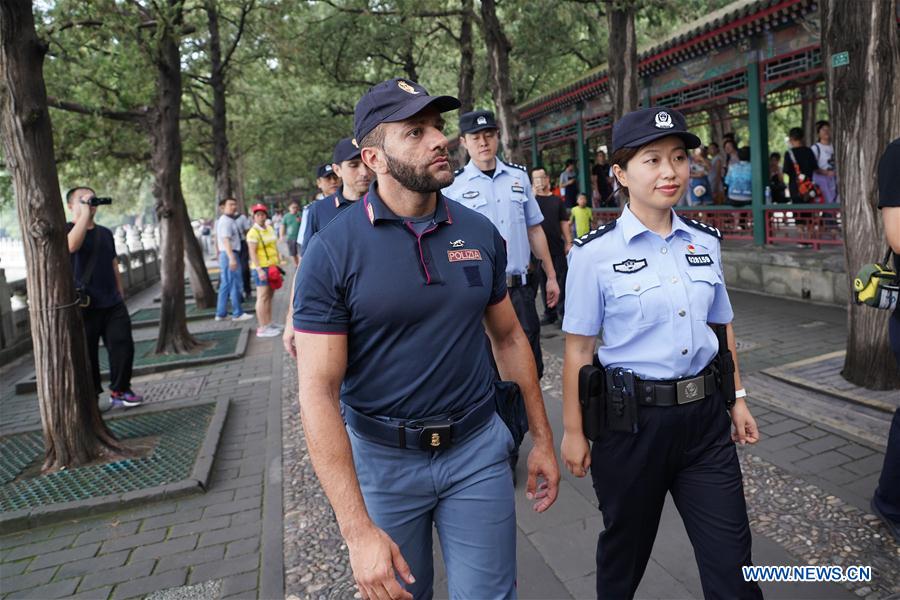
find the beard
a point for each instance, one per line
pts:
(417, 179)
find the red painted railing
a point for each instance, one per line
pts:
(815, 227)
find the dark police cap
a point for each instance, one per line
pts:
(647, 124)
(345, 149)
(324, 171)
(394, 100)
(476, 120)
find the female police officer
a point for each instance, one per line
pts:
(652, 283)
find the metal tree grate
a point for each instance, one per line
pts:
(180, 433)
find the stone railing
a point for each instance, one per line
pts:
(139, 269)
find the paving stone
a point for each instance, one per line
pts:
(866, 466)
(181, 516)
(95, 594)
(240, 482)
(93, 565)
(230, 534)
(51, 559)
(109, 532)
(207, 499)
(783, 426)
(245, 517)
(57, 589)
(790, 454)
(778, 442)
(224, 568)
(242, 547)
(248, 492)
(839, 475)
(811, 432)
(23, 538)
(51, 545)
(855, 451)
(240, 583)
(823, 444)
(819, 462)
(144, 512)
(199, 526)
(227, 508)
(133, 541)
(117, 575)
(146, 585)
(28, 580)
(13, 568)
(173, 546)
(194, 557)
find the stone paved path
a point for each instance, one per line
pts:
(264, 528)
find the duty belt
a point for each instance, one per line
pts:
(514, 281)
(421, 434)
(652, 392)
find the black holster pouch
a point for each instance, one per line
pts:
(510, 406)
(592, 397)
(621, 401)
(725, 366)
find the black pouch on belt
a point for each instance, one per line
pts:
(510, 406)
(591, 396)
(725, 364)
(621, 401)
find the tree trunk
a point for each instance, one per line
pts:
(221, 163)
(719, 122)
(498, 48)
(163, 123)
(74, 432)
(204, 294)
(466, 81)
(623, 61)
(865, 117)
(808, 112)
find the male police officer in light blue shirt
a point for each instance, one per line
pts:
(502, 192)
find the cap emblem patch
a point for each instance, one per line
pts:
(353, 141)
(406, 87)
(663, 120)
(481, 121)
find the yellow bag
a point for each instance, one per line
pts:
(877, 284)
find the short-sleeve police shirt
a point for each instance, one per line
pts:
(322, 212)
(651, 297)
(411, 305)
(889, 186)
(507, 200)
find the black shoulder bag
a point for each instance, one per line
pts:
(84, 299)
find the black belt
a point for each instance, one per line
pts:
(421, 434)
(514, 281)
(652, 392)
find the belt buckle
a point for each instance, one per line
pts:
(436, 436)
(690, 390)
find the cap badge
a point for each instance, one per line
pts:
(481, 121)
(328, 169)
(406, 87)
(663, 120)
(353, 141)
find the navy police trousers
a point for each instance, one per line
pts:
(686, 451)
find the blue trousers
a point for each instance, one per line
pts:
(229, 287)
(465, 491)
(686, 451)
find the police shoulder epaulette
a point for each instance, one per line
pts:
(515, 166)
(703, 227)
(459, 171)
(593, 234)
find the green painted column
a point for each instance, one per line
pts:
(581, 155)
(645, 92)
(759, 151)
(535, 151)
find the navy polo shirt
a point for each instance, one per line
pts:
(411, 305)
(322, 212)
(102, 288)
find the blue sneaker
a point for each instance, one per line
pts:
(126, 399)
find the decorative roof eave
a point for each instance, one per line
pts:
(725, 26)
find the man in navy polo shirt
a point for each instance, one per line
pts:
(392, 303)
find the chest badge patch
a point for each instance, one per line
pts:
(463, 255)
(632, 265)
(471, 194)
(518, 188)
(457, 243)
(698, 260)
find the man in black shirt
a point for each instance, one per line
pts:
(886, 501)
(804, 158)
(96, 268)
(600, 180)
(558, 232)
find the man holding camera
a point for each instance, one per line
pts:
(96, 268)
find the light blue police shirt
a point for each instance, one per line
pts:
(651, 297)
(506, 200)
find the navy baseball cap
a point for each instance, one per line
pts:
(394, 100)
(647, 124)
(345, 149)
(324, 171)
(476, 120)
